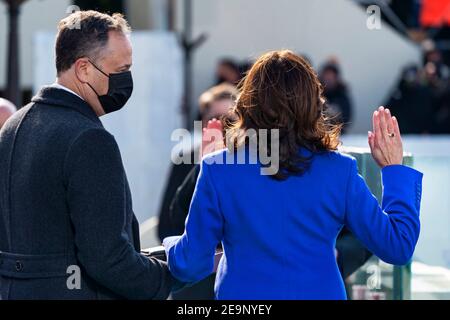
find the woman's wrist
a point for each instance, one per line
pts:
(397, 168)
(392, 164)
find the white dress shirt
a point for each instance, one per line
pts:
(60, 86)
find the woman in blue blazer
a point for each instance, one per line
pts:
(278, 227)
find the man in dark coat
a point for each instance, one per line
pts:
(67, 229)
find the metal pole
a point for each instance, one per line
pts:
(13, 91)
(187, 64)
(171, 9)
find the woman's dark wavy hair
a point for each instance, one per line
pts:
(282, 91)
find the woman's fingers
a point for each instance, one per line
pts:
(398, 139)
(386, 149)
(376, 124)
(379, 136)
(375, 149)
(383, 123)
(396, 128)
(389, 122)
(371, 140)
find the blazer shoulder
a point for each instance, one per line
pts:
(66, 114)
(341, 156)
(94, 136)
(216, 162)
(90, 147)
(67, 121)
(216, 157)
(336, 165)
(338, 159)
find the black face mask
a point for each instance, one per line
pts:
(120, 89)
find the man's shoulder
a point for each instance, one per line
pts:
(59, 111)
(63, 119)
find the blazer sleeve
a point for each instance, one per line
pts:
(392, 230)
(191, 257)
(96, 188)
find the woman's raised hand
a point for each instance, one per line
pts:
(385, 141)
(212, 138)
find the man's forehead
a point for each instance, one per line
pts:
(118, 51)
(119, 40)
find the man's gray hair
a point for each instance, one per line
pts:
(85, 34)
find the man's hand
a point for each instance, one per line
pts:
(385, 141)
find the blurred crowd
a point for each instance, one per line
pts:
(421, 99)
(336, 92)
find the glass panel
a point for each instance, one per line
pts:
(428, 275)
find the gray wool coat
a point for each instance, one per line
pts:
(65, 206)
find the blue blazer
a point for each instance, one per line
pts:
(279, 236)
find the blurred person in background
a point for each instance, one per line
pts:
(412, 101)
(216, 102)
(336, 93)
(434, 70)
(228, 71)
(213, 103)
(245, 67)
(434, 55)
(442, 114)
(7, 109)
(437, 75)
(421, 99)
(179, 208)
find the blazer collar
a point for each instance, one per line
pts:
(62, 98)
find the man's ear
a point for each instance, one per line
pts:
(82, 69)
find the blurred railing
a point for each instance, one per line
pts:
(429, 275)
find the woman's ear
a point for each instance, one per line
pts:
(82, 70)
